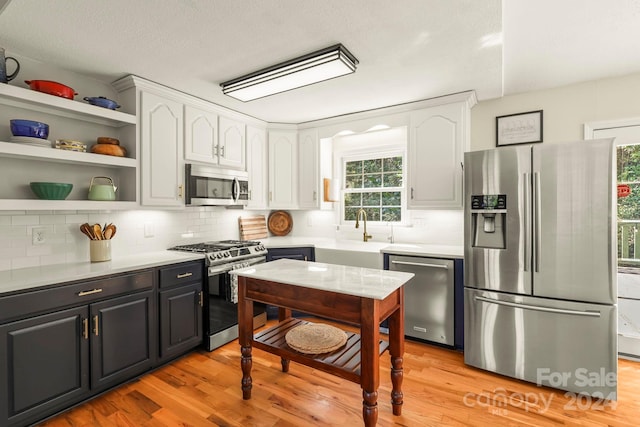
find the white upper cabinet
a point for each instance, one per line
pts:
(283, 169)
(176, 128)
(213, 139)
(309, 175)
(231, 143)
(162, 174)
(200, 135)
(257, 167)
(438, 138)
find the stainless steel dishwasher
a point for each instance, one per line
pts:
(428, 297)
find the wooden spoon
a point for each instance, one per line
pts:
(87, 231)
(113, 230)
(97, 231)
(107, 233)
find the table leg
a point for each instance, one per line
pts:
(284, 313)
(245, 335)
(396, 351)
(370, 360)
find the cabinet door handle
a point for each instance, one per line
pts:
(200, 299)
(271, 196)
(91, 292)
(180, 191)
(222, 151)
(314, 195)
(85, 328)
(96, 331)
(250, 195)
(183, 275)
(215, 150)
(411, 193)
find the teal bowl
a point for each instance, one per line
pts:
(51, 190)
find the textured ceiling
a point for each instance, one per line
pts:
(408, 49)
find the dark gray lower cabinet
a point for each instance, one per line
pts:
(63, 344)
(45, 365)
(52, 357)
(180, 320)
(299, 253)
(121, 338)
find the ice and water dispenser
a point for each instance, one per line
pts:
(489, 220)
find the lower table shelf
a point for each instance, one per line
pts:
(343, 362)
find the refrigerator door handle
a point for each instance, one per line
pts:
(420, 264)
(539, 308)
(527, 221)
(537, 220)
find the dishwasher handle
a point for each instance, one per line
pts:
(420, 264)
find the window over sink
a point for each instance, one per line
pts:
(375, 185)
(372, 168)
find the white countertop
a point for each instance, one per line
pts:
(357, 281)
(414, 249)
(33, 277)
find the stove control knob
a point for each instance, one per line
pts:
(218, 255)
(227, 254)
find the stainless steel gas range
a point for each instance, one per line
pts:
(221, 310)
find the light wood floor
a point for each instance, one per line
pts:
(203, 389)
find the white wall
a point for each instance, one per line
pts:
(565, 109)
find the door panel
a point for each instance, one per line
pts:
(535, 339)
(121, 338)
(574, 202)
(498, 172)
(200, 135)
(180, 319)
(44, 363)
(162, 144)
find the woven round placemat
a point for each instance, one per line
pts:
(315, 338)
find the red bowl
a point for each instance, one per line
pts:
(52, 88)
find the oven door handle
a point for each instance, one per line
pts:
(220, 269)
(225, 268)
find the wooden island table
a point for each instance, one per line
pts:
(360, 296)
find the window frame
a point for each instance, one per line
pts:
(374, 153)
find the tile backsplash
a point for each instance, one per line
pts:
(154, 230)
(137, 231)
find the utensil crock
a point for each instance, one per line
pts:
(99, 250)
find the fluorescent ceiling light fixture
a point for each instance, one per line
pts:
(312, 68)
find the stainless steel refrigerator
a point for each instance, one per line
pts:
(540, 264)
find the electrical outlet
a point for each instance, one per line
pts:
(37, 236)
(149, 230)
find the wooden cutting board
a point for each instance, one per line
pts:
(253, 228)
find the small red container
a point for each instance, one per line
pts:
(623, 190)
(52, 88)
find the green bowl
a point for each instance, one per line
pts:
(51, 190)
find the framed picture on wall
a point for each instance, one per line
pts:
(520, 128)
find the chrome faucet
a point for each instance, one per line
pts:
(365, 236)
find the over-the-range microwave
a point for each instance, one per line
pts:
(208, 186)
